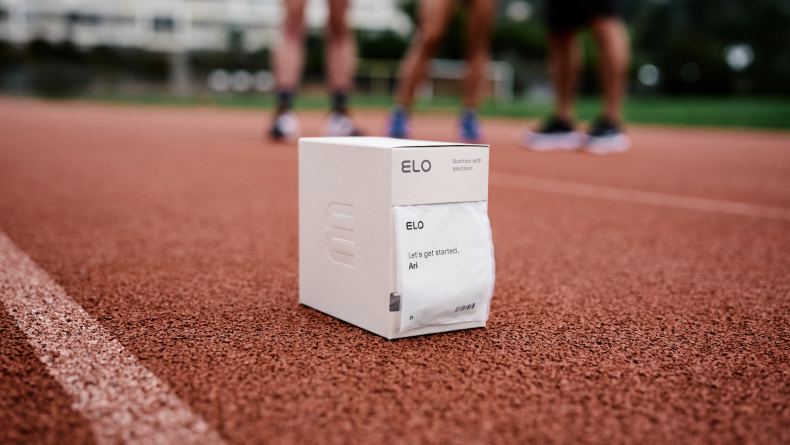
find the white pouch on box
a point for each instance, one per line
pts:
(445, 262)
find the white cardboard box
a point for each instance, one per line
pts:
(347, 188)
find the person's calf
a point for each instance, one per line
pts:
(293, 27)
(338, 32)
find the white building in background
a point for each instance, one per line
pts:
(180, 26)
(176, 26)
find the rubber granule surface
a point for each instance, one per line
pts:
(33, 407)
(611, 322)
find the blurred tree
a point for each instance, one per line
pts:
(204, 62)
(56, 70)
(673, 34)
(381, 45)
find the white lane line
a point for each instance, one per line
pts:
(123, 401)
(635, 196)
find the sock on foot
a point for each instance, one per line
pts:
(285, 99)
(340, 102)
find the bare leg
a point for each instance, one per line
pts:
(289, 52)
(434, 19)
(341, 48)
(613, 52)
(564, 66)
(479, 20)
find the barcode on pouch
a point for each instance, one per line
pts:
(465, 307)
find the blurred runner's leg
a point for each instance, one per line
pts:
(434, 16)
(479, 20)
(341, 58)
(564, 19)
(289, 62)
(612, 45)
(564, 68)
(341, 48)
(557, 132)
(611, 39)
(289, 52)
(289, 56)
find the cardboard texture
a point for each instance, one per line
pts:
(347, 188)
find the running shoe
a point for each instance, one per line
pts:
(340, 124)
(606, 137)
(285, 126)
(556, 134)
(398, 125)
(469, 128)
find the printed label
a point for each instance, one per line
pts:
(445, 263)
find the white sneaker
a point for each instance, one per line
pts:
(555, 134)
(339, 124)
(601, 145)
(605, 138)
(285, 126)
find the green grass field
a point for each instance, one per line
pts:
(736, 112)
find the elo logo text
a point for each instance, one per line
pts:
(411, 166)
(414, 225)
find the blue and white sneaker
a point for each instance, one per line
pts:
(398, 124)
(606, 137)
(555, 134)
(469, 128)
(285, 126)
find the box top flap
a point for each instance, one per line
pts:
(382, 142)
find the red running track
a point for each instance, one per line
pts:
(614, 320)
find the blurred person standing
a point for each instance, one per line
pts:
(289, 56)
(565, 18)
(434, 18)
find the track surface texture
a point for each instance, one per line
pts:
(612, 321)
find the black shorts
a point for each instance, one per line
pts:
(570, 15)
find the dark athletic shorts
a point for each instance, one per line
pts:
(570, 15)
